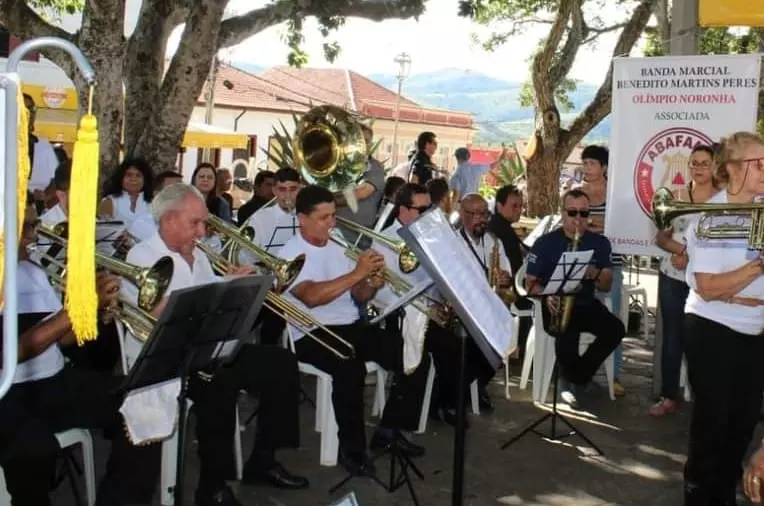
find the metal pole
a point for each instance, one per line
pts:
(209, 100)
(11, 84)
(397, 118)
(684, 41)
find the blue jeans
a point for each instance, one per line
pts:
(672, 295)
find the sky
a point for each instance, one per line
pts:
(440, 39)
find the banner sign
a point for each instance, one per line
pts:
(662, 108)
(730, 13)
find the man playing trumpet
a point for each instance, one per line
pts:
(330, 288)
(181, 213)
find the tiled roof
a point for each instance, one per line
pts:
(292, 89)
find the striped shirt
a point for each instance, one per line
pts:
(601, 209)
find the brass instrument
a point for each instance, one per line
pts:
(152, 282)
(407, 260)
(283, 308)
(506, 294)
(525, 225)
(437, 312)
(561, 320)
(329, 148)
(665, 209)
(237, 239)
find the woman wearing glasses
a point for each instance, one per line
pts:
(723, 332)
(589, 314)
(672, 284)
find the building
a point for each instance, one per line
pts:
(255, 104)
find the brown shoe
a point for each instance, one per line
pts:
(663, 407)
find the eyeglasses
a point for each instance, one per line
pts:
(584, 213)
(476, 214)
(419, 209)
(759, 161)
(700, 165)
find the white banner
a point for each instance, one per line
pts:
(662, 108)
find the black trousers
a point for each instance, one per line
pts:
(592, 317)
(272, 328)
(371, 343)
(526, 322)
(444, 345)
(100, 355)
(267, 371)
(31, 413)
(727, 380)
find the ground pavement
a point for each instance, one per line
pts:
(642, 463)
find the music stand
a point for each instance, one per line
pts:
(566, 278)
(433, 241)
(201, 328)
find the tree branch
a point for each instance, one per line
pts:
(23, 22)
(239, 28)
(564, 62)
(596, 32)
(600, 105)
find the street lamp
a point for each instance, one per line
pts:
(404, 66)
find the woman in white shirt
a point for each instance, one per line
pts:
(672, 285)
(723, 327)
(128, 192)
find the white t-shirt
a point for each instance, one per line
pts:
(121, 208)
(44, 167)
(483, 249)
(143, 227)
(273, 227)
(36, 295)
(147, 253)
(385, 294)
(718, 256)
(323, 263)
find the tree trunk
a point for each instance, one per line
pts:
(543, 182)
(104, 47)
(162, 134)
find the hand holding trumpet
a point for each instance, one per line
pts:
(370, 264)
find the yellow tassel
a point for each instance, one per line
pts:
(81, 296)
(23, 169)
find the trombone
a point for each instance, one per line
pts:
(407, 260)
(283, 308)
(665, 209)
(286, 271)
(437, 311)
(152, 282)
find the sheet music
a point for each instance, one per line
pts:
(451, 261)
(404, 299)
(570, 269)
(106, 233)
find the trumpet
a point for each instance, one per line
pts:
(237, 239)
(139, 322)
(283, 308)
(665, 209)
(152, 282)
(437, 311)
(407, 261)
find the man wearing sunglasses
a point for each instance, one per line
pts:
(589, 314)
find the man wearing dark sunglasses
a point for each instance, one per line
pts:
(589, 314)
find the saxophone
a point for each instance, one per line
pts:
(561, 319)
(506, 294)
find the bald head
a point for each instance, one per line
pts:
(473, 211)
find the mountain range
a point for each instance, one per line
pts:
(494, 102)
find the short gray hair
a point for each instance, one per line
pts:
(171, 198)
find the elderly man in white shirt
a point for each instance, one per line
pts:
(180, 213)
(48, 396)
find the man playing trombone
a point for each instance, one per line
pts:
(330, 287)
(180, 213)
(48, 396)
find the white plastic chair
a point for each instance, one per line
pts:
(66, 439)
(684, 382)
(627, 292)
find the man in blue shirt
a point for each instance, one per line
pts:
(589, 314)
(466, 177)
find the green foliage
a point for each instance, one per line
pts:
(561, 94)
(720, 40)
(58, 7)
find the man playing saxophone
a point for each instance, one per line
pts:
(180, 213)
(589, 314)
(484, 246)
(330, 287)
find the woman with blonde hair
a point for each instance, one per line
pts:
(723, 327)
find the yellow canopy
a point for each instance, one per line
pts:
(58, 116)
(730, 13)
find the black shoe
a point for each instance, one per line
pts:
(484, 400)
(449, 416)
(220, 497)
(382, 440)
(275, 476)
(357, 464)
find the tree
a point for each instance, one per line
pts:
(573, 24)
(157, 104)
